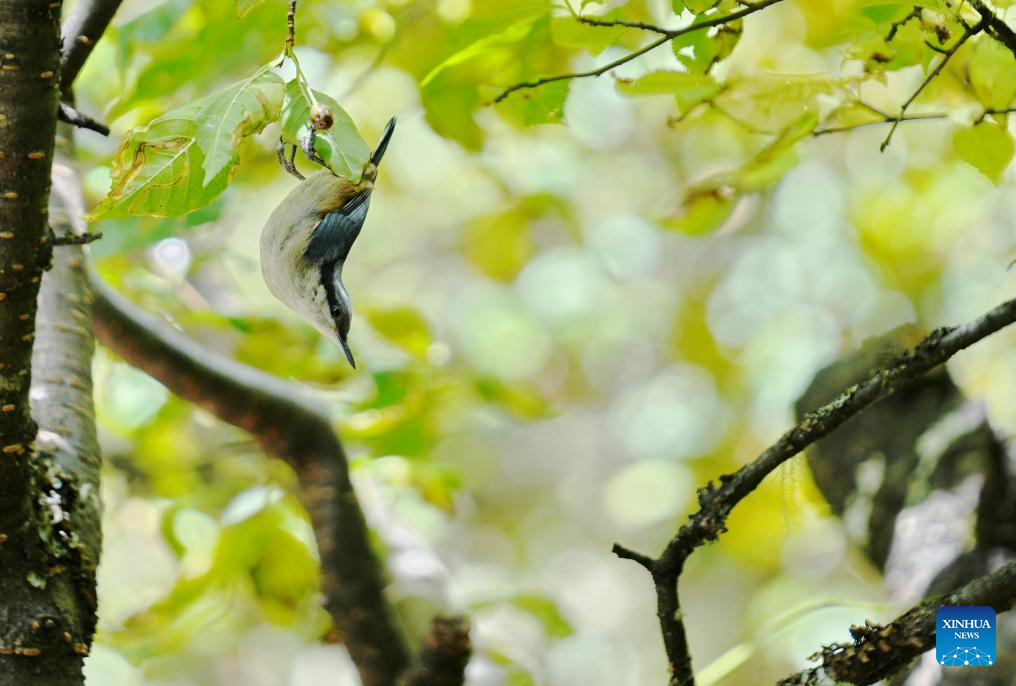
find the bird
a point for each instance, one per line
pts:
(307, 238)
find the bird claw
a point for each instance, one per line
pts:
(289, 164)
(307, 145)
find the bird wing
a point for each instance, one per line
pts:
(334, 235)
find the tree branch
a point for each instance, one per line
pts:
(81, 32)
(46, 582)
(291, 26)
(667, 36)
(717, 501)
(68, 114)
(82, 238)
(997, 28)
(946, 56)
(289, 424)
(878, 652)
(445, 652)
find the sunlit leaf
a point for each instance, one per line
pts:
(508, 25)
(341, 146)
(569, 32)
(699, 6)
(773, 102)
(992, 73)
(696, 50)
(227, 117)
(987, 147)
(544, 105)
(777, 158)
(688, 89)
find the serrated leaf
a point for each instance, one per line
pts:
(688, 89)
(152, 172)
(987, 147)
(544, 105)
(341, 146)
(227, 117)
(155, 171)
(773, 102)
(243, 7)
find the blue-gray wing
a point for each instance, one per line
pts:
(335, 233)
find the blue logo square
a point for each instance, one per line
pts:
(965, 636)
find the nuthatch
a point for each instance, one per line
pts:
(306, 241)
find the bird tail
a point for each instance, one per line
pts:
(379, 152)
(349, 353)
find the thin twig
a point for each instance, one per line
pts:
(967, 33)
(889, 119)
(592, 21)
(716, 501)
(667, 36)
(915, 13)
(81, 32)
(77, 238)
(291, 26)
(68, 114)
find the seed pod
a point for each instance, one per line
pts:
(321, 117)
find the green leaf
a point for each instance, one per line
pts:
(699, 6)
(704, 210)
(481, 34)
(678, 6)
(525, 402)
(148, 28)
(696, 50)
(987, 147)
(245, 6)
(777, 158)
(992, 73)
(154, 173)
(688, 89)
(773, 102)
(449, 103)
(568, 32)
(341, 146)
(543, 105)
(401, 325)
(227, 117)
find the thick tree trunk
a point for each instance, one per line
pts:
(49, 532)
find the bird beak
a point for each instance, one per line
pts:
(349, 353)
(379, 152)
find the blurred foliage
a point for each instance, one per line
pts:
(572, 307)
